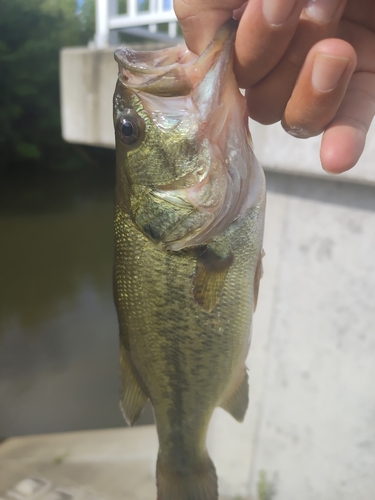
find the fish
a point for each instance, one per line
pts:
(189, 218)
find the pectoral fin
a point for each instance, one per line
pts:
(209, 278)
(237, 402)
(133, 398)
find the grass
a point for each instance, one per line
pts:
(266, 488)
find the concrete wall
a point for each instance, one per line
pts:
(310, 430)
(311, 421)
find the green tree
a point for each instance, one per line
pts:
(32, 32)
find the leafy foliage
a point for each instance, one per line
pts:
(32, 32)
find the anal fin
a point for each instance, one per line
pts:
(209, 278)
(133, 398)
(237, 402)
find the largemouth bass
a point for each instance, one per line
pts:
(190, 198)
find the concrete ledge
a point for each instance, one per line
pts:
(88, 79)
(279, 152)
(113, 464)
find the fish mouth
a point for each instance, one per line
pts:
(176, 71)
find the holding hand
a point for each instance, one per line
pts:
(309, 63)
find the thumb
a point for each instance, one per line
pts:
(201, 19)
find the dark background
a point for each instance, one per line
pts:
(58, 325)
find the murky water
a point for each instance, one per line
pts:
(58, 325)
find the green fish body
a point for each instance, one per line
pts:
(190, 200)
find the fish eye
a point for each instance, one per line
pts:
(127, 129)
(130, 128)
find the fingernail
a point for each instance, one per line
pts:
(322, 11)
(297, 131)
(327, 71)
(277, 12)
(237, 14)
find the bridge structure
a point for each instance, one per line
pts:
(113, 15)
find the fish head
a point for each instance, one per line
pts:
(185, 165)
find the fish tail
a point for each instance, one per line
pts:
(197, 484)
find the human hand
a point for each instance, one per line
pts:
(308, 63)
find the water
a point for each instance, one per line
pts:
(58, 325)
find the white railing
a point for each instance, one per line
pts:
(138, 13)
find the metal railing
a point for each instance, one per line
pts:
(133, 13)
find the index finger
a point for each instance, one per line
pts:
(200, 19)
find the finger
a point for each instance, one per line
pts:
(279, 83)
(344, 139)
(265, 30)
(320, 88)
(200, 19)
